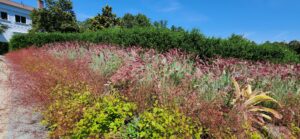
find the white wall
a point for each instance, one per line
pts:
(13, 27)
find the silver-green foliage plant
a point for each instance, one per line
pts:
(106, 63)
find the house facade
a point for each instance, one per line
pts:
(16, 17)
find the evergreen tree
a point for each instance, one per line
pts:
(105, 20)
(58, 16)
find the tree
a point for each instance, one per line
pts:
(161, 24)
(58, 16)
(295, 45)
(105, 20)
(240, 40)
(139, 20)
(84, 25)
(128, 21)
(177, 29)
(142, 20)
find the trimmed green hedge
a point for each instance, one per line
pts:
(164, 39)
(3, 48)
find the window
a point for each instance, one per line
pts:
(20, 19)
(23, 19)
(4, 15)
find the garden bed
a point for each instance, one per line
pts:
(89, 90)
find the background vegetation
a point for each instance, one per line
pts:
(163, 39)
(58, 15)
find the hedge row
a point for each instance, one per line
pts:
(164, 39)
(3, 48)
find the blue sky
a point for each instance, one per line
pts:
(258, 20)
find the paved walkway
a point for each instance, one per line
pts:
(16, 122)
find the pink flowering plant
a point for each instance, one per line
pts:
(201, 89)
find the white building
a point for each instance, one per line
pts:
(16, 17)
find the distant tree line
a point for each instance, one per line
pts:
(108, 19)
(58, 16)
(294, 45)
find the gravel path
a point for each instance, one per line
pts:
(16, 122)
(4, 99)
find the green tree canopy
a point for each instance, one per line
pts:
(240, 40)
(139, 20)
(161, 24)
(105, 20)
(295, 45)
(84, 25)
(177, 29)
(58, 16)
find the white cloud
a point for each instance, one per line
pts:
(248, 34)
(283, 35)
(163, 5)
(172, 6)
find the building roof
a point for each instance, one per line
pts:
(15, 4)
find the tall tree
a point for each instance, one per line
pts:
(161, 24)
(105, 20)
(84, 25)
(57, 16)
(139, 20)
(177, 29)
(295, 45)
(128, 21)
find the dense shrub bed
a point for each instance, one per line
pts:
(3, 48)
(102, 91)
(164, 40)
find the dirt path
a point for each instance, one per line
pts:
(4, 99)
(16, 122)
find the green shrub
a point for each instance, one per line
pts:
(295, 130)
(245, 49)
(107, 115)
(165, 39)
(67, 108)
(39, 39)
(3, 48)
(162, 123)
